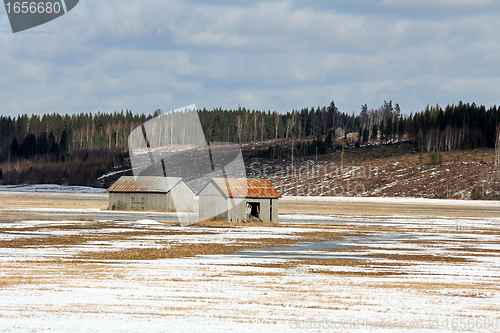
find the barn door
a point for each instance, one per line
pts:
(137, 203)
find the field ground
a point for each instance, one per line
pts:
(330, 264)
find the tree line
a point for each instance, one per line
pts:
(461, 126)
(54, 134)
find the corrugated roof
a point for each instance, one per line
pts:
(144, 184)
(242, 187)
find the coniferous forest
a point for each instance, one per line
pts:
(77, 149)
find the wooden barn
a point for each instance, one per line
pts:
(168, 194)
(339, 133)
(239, 200)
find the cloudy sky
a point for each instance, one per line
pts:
(265, 55)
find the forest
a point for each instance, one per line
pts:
(33, 148)
(461, 126)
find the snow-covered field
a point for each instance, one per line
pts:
(83, 270)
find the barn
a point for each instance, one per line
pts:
(339, 133)
(239, 200)
(168, 194)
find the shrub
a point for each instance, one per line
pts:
(436, 158)
(477, 193)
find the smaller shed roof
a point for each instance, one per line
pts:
(242, 187)
(144, 184)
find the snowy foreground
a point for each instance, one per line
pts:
(81, 271)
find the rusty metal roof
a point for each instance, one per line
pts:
(242, 187)
(144, 184)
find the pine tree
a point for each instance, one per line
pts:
(14, 148)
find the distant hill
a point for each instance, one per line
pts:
(391, 170)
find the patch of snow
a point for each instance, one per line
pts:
(51, 188)
(112, 173)
(148, 222)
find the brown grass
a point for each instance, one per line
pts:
(290, 206)
(373, 269)
(224, 223)
(283, 265)
(184, 251)
(421, 257)
(376, 274)
(335, 262)
(73, 240)
(434, 242)
(54, 272)
(12, 216)
(160, 253)
(439, 287)
(53, 241)
(473, 249)
(319, 236)
(54, 200)
(13, 280)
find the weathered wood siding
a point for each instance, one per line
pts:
(212, 203)
(138, 201)
(236, 209)
(268, 210)
(179, 198)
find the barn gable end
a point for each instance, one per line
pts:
(151, 194)
(239, 200)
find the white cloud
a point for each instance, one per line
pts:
(481, 87)
(438, 3)
(269, 55)
(248, 98)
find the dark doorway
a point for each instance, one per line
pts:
(254, 208)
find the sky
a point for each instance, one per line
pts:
(265, 55)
